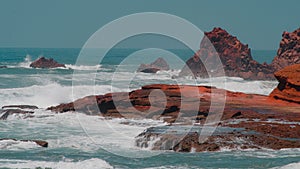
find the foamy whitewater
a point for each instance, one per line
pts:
(80, 141)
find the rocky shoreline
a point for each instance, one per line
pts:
(238, 120)
(256, 121)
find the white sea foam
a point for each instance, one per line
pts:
(289, 166)
(50, 94)
(93, 163)
(80, 67)
(17, 145)
(79, 131)
(26, 62)
(235, 84)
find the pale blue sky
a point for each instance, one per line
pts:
(58, 23)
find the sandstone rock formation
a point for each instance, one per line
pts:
(43, 62)
(250, 112)
(236, 59)
(158, 64)
(248, 120)
(289, 50)
(289, 84)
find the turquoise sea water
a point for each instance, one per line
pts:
(77, 140)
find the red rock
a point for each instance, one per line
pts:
(256, 109)
(289, 84)
(236, 59)
(158, 64)
(289, 50)
(42, 62)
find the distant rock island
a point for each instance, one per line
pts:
(43, 62)
(157, 65)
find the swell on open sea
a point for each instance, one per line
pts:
(69, 144)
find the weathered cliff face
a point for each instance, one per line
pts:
(289, 50)
(43, 62)
(158, 64)
(289, 84)
(235, 57)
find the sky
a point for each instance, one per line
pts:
(69, 24)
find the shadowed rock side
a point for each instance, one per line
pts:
(158, 64)
(43, 62)
(289, 50)
(289, 84)
(236, 57)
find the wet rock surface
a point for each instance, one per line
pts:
(20, 106)
(157, 65)
(266, 122)
(25, 110)
(43, 62)
(38, 142)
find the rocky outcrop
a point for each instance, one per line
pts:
(158, 64)
(20, 106)
(289, 50)
(5, 113)
(18, 110)
(289, 84)
(249, 112)
(38, 142)
(236, 59)
(43, 62)
(248, 120)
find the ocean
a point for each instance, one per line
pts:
(80, 141)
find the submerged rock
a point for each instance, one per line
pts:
(289, 50)
(289, 84)
(38, 142)
(5, 113)
(16, 109)
(20, 106)
(158, 64)
(43, 62)
(248, 139)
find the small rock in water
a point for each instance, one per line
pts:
(158, 64)
(43, 62)
(21, 106)
(15, 109)
(38, 142)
